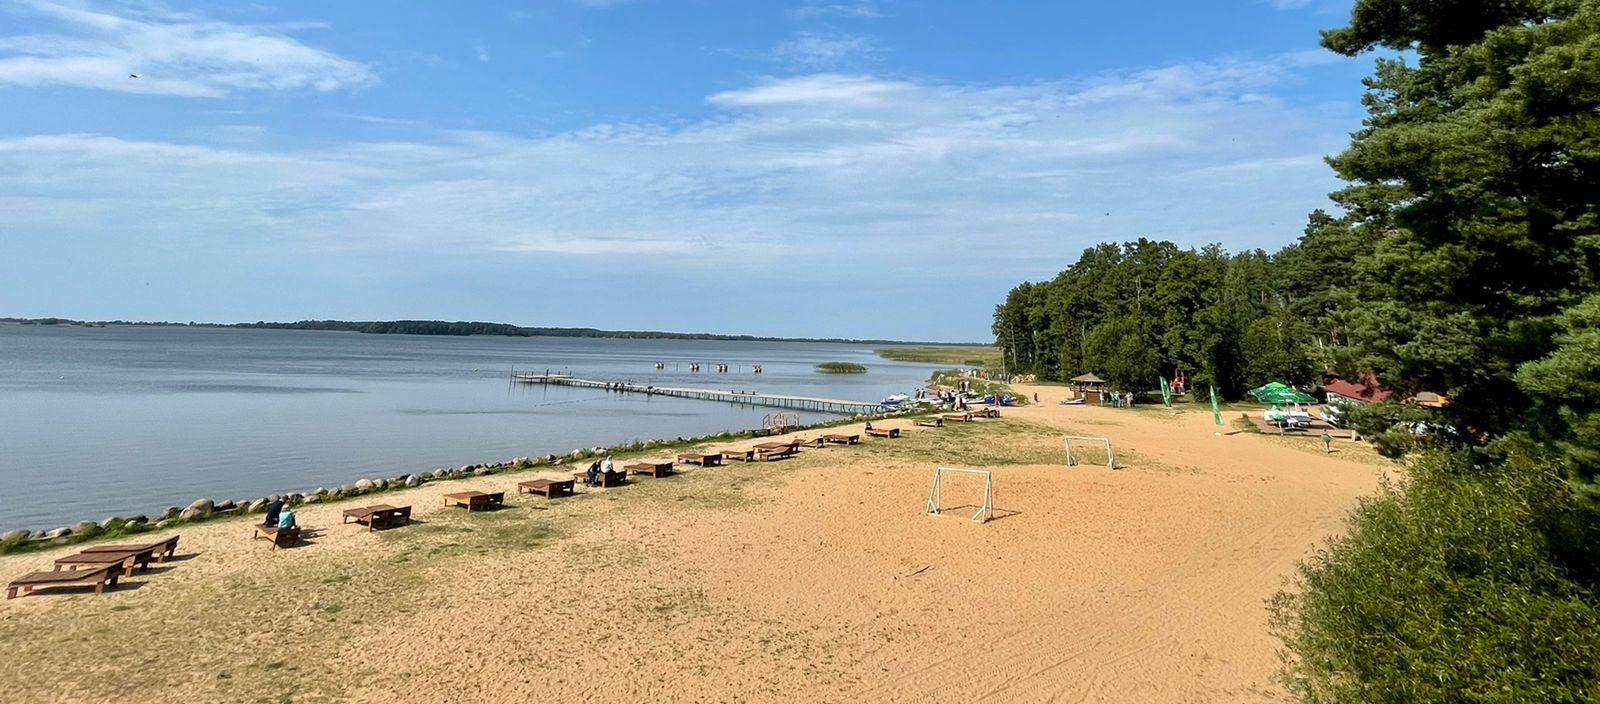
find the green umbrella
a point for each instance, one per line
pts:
(1285, 395)
(1269, 389)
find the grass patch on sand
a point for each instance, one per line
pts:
(983, 356)
(983, 443)
(841, 368)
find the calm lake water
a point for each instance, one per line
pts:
(114, 421)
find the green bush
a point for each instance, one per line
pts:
(841, 368)
(1464, 584)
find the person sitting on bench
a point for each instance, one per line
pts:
(273, 509)
(286, 518)
(591, 478)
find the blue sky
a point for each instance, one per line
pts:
(863, 168)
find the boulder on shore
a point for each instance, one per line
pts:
(163, 523)
(226, 505)
(15, 536)
(203, 505)
(170, 513)
(108, 520)
(413, 480)
(86, 527)
(364, 484)
(192, 513)
(380, 484)
(257, 506)
(57, 533)
(137, 518)
(439, 473)
(312, 499)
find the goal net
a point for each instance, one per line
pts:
(985, 507)
(1089, 449)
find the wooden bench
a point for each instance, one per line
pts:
(280, 537)
(549, 488)
(883, 432)
(839, 439)
(926, 423)
(135, 558)
(958, 417)
(767, 454)
(103, 577)
(605, 480)
(741, 455)
(703, 460)
(379, 516)
(654, 469)
(161, 549)
(475, 500)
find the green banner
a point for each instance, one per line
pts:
(1166, 392)
(1216, 413)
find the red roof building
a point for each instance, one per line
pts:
(1367, 390)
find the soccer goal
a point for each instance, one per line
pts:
(1089, 450)
(984, 511)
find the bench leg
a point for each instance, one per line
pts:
(11, 593)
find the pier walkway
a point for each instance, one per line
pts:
(753, 398)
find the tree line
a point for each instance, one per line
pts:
(1464, 259)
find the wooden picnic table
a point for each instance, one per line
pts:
(550, 488)
(103, 577)
(930, 423)
(654, 469)
(475, 500)
(703, 460)
(136, 558)
(378, 516)
(958, 417)
(884, 432)
(161, 549)
(841, 439)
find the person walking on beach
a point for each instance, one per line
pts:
(273, 509)
(1327, 441)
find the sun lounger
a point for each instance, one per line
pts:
(549, 488)
(840, 439)
(958, 417)
(475, 500)
(654, 469)
(379, 516)
(161, 549)
(703, 460)
(883, 432)
(280, 537)
(741, 455)
(102, 578)
(137, 558)
(927, 423)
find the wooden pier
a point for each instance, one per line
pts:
(751, 398)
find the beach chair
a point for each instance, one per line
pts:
(654, 469)
(280, 537)
(161, 550)
(741, 455)
(883, 432)
(841, 439)
(930, 423)
(777, 451)
(957, 417)
(549, 488)
(137, 558)
(704, 460)
(102, 578)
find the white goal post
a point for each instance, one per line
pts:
(984, 511)
(1111, 460)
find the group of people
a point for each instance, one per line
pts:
(1118, 399)
(279, 515)
(600, 466)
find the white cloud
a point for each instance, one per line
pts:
(174, 54)
(819, 9)
(482, 51)
(861, 177)
(822, 51)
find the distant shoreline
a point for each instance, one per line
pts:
(467, 329)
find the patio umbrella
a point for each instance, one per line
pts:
(1261, 392)
(1285, 395)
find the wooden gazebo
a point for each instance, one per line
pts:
(1090, 388)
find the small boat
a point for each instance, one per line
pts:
(895, 401)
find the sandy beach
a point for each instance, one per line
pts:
(812, 579)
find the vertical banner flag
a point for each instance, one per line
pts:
(1216, 413)
(1166, 392)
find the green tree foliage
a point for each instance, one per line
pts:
(1172, 310)
(1466, 584)
(1565, 387)
(1124, 358)
(1480, 166)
